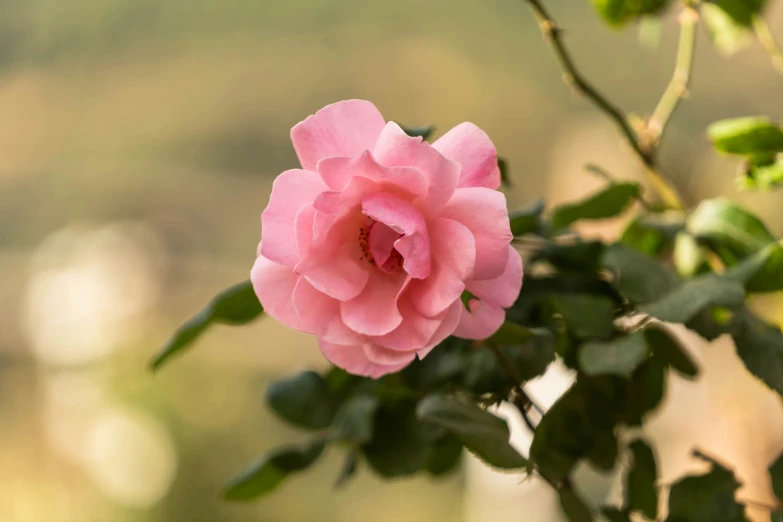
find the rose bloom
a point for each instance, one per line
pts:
(371, 244)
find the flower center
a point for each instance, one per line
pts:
(376, 241)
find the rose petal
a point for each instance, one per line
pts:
(484, 212)
(290, 191)
(374, 311)
(414, 332)
(353, 360)
(320, 315)
(483, 320)
(380, 355)
(342, 129)
(396, 149)
(337, 172)
(447, 326)
(504, 289)
(471, 147)
(274, 285)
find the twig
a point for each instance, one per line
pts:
(553, 34)
(767, 41)
(508, 367)
(680, 82)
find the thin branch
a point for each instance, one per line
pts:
(767, 41)
(571, 75)
(526, 401)
(680, 82)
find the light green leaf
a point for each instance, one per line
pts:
(685, 302)
(728, 36)
(762, 172)
(481, 432)
(607, 203)
(722, 222)
(639, 277)
(303, 399)
(527, 219)
(270, 470)
(669, 351)
(618, 12)
(689, 257)
(741, 11)
(617, 357)
(641, 490)
(233, 306)
(749, 135)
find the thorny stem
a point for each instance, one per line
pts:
(571, 75)
(680, 82)
(767, 41)
(525, 401)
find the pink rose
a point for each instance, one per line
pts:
(370, 245)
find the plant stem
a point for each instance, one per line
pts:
(508, 367)
(571, 75)
(767, 41)
(680, 82)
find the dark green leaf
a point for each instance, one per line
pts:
(303, 400)
(669, 351)
(401, 445)
(776, 516)
(683, 303)
(641, 491)
(760, 346)
(608, 203)
(527, 219)
(751, 135)
(741, 11)
(603, 453)
(481, 432)
(270, 470)
(424, 132)
(446, 454)
(614, 514)
(586, 316)
(645, 392)
(706, 498)
(618, 12)
(654, 233)
(573, 506)
(354, 420)
(234, 306)
(510, 334)
(761, 272)
(641, 278)
(619, 356)
(581, 256)
(722, 222)
(503, 167)
(776, 475)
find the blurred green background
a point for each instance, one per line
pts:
(138, 143)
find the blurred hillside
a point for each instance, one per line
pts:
(138, 143)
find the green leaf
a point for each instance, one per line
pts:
(619, 356)
(580, 256)
(603, 453)
(750, 135)
(614, 514)
(233, 306)
(303, 399)
(762, 172)
(586, 316)
(446, 454)
(639, 277)
(776, 516)
(669, 351)
(355, 418)
(618, 12)
(645, 391)
(728, 36)
(741, 11)
(423, 132)
(685, 302)
(348, 470)
(607, 203)
(762, 271)
(641, 491)
(503, 167)
(510, 334)
(574, 508)
(401, 445)
(653, 234)
(776, 475)
(481, 432)
(527, 219)
(706, 498)
(270, 470)
(722, 222)
(760, 346)
(690, 258)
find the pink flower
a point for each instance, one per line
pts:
(370, 245)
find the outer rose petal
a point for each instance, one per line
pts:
(454, 254)
(484, 212)
(395, 148)
(481, 321)
(471, 147)
(338, 171)
(504, 289)
(344, 128)
(414, 332)
(290, 191)
(353, 360)
(399, 215)
(274, 285)
(380, 355)
(450, 321)
(320, 315)
(374, 311)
